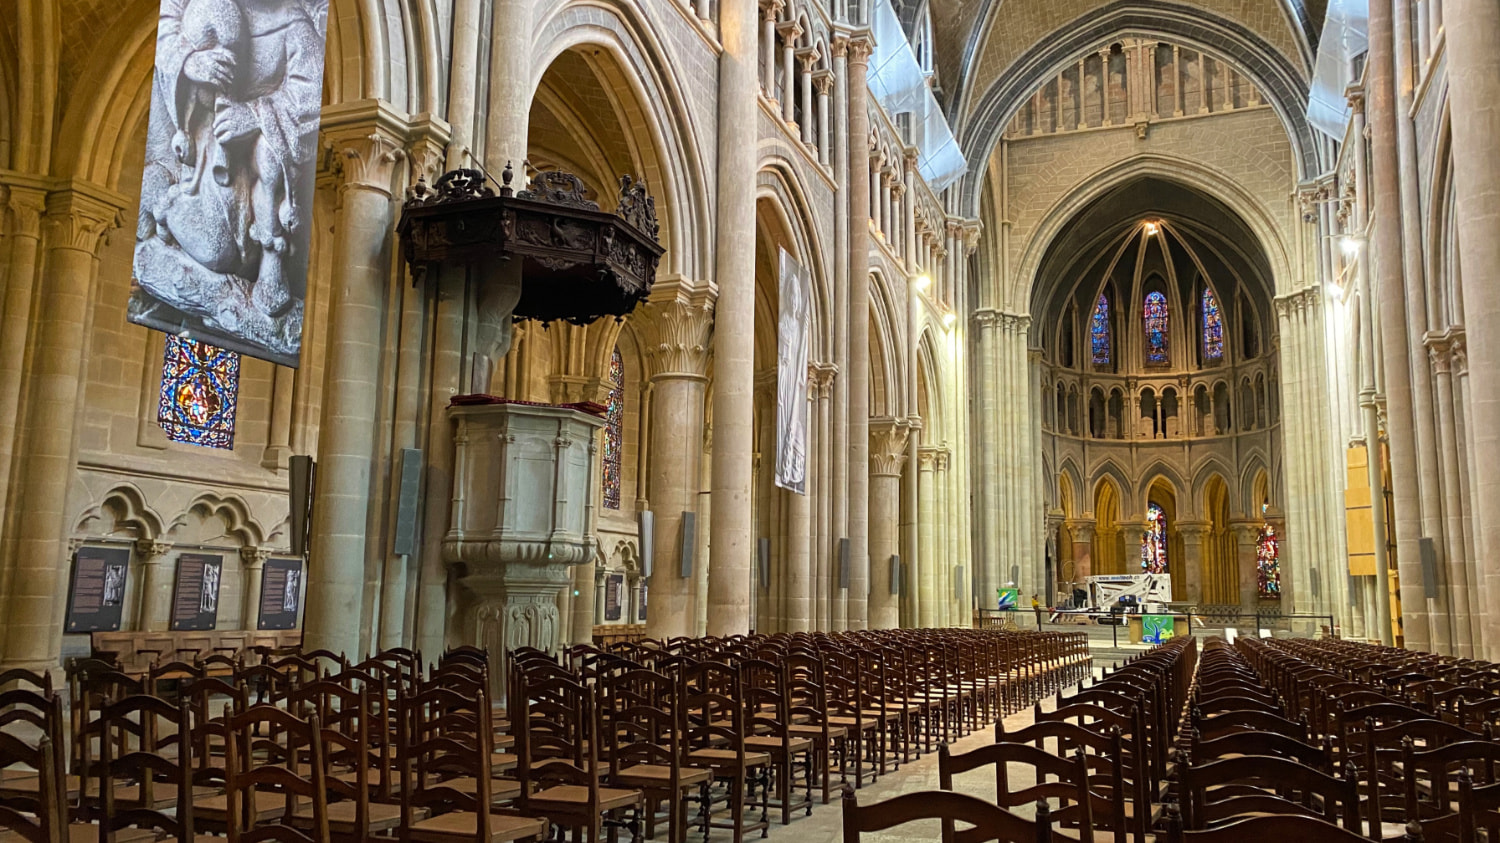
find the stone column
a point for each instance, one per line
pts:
(1474, 89)
(278, 450)
(369, 154)
(796, 609)
(789, 32)
(945, 540)
(846, 215)
(1082, 533)
(887, 458)
(675, 332)
(76, 222)
(823, 529)
(929, 564)
(253, 564)
(768, 12)
(509, 117)
(859, 338)
(806, 59)
(731, 533)
(1440, 348)
(824, 80)
(1380, 81)
(158, 577)
(1246, 539)
(24, 205)
(1191, 569)
(1131, 534)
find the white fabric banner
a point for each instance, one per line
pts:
(221, 249)
(791, 376)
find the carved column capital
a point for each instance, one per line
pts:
(1081, 529)
(927, 458)
(81, 218)
(860, 48)
(427, 150)
(1193, 531)
(254, 556)
(149, 549)
(675, 333)
(24, 207)
(888, 439)
(820, 378)
(941, 459)
(823, 81)
(368, 162)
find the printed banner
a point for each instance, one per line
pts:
(221, 251)
(791, 376)
(1156, 629)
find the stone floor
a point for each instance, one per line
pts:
(825, 825)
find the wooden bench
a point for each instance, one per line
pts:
(614, 633)
(135, 652)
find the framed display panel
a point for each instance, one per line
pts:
(96, 591)
(195, 597)
(614, 590)
(280, 594)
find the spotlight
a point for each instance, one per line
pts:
(949, 319)
(923, 283)
(1150, 229)
(1349, 245)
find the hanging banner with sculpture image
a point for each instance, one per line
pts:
(791, 376)
(225, 218)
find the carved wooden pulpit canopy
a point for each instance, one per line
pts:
(581, 263)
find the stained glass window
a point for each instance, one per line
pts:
(200, 386)
(1099, 331)
(1268, 560)
(1156, 328)
(1154, 542)
(1213, 327)
(614, 430)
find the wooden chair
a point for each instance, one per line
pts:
(1223, 790)
(137, 785)
(988, 822)
(1478, 808)
(261, 798)
(345, 718)
(713, 725)
(446, 773)
(1284, 828)
(39, 816)
(1431, 779)
(1070, 787)
(1117, 804)
(646, 750)
(559, 767)
(808, 713)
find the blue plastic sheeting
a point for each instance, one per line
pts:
(1345, 36)
(900, 86)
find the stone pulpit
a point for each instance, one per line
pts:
(523, 495)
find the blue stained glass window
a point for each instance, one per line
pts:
(200, 387)
(1099, 331)
(1154, 542)
(1213, 327)
(1156, 328)
(614, 430)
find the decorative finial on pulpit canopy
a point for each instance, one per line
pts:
(505, 178)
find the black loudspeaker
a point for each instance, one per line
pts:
(301, 474)
(1316, 582)
(958, 582)
(1429, 567)
(408, 493)
(843, 563)
(688, 538)
(763, 561)
(896, 574)
(646, 523)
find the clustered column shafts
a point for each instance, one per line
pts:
(1474, 91)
